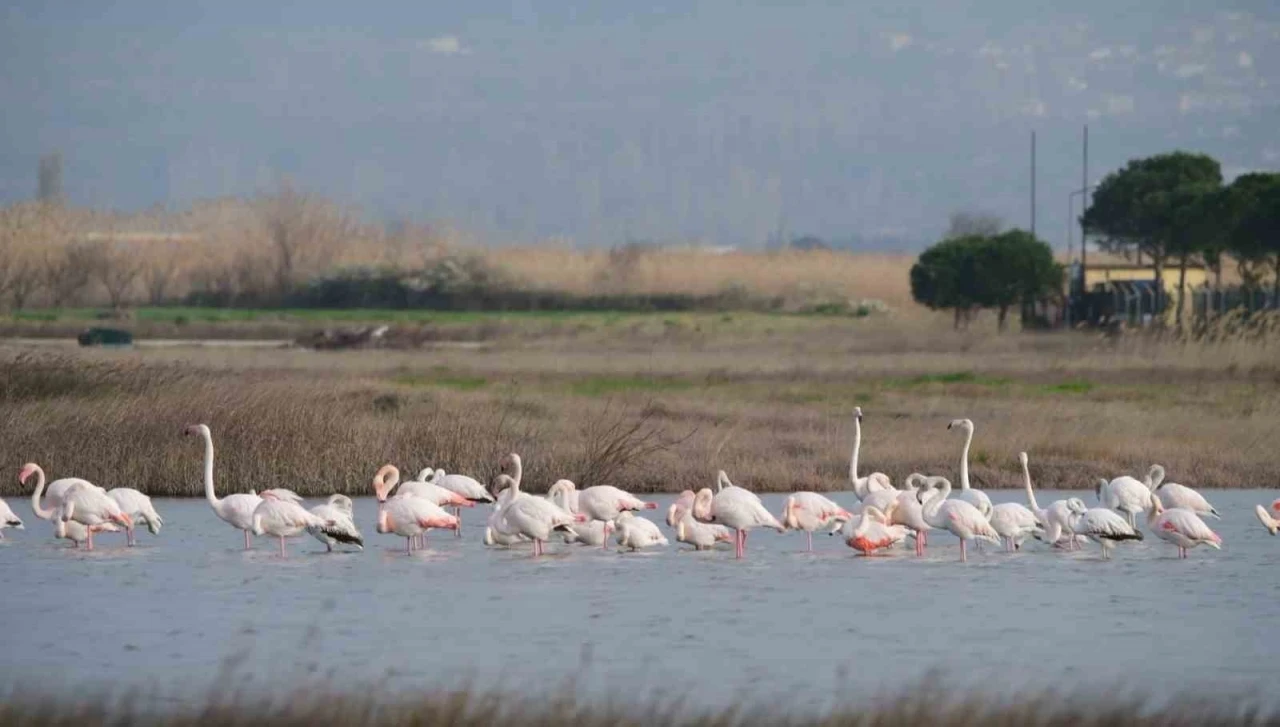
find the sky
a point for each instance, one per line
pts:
(604, 122)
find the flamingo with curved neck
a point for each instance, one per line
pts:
(73, 531)
(959, 517)
(974, 497)
(862, 486)
(237, 509)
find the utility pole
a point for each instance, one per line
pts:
(1084, 203)
(1033, 183)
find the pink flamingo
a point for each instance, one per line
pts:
(734, 507)
(235, 510)
(600, 502)
(1181, 527)
(874, 531)
(809, 511)
(283, 519)
(389, 475)
(73, 531)
(406, 515)
(90, 506)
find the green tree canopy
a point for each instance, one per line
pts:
(1253, 235)
(985, 271)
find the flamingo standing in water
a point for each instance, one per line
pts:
(1181, 527)
(535, 518)
(73, 531)
(907, 511)
(702, 536)
(406, 514)
(8, 519)
(1014, 522)
(964, 520)
(235, 510)
(90, 506)
(1269, 521)
(1126, 495)
(283, 519)
(734, 507)
(876, 481)
(138, 507)
(1173, 495)
(1055, 520)
(809, 511)
(599, 502)
(468, 487)
(337, 525)
(1101, 525)
(389, 475)
(974, 497)
(635, 532)
(874, 531)
(495, 532)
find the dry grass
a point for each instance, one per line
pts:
(766, 398)
(374, 708)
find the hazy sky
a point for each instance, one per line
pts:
(603, 121)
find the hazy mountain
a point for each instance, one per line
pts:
(720, 120)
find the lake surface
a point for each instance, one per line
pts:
(188, 606)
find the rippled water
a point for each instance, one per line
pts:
(188, 605)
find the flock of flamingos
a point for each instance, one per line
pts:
(884, 518)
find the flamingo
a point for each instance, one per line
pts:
(974, 497)
(907, 511)
(1055, 519)
(635, 532)
(235, 510)
(533, 517)
(809, 511)
(1181, 527)
(1014, 522)
(138, 507)
(680, 508)
(599, 502)
(338, 525)
(1173, 495)
(1101, 525)
(90, 506)
(468, 487)
(873, 531)
(862, 486)
(1269, 521)
(1126, 495)
(592, 532)
(8, 519)
(959, 517)
(73, 531)
(407, 514)
(389, 475)
(702, 536)
(734, 507)
(494, 534)
(279, 493)
(283, 519)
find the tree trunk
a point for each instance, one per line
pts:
(1158, 264)
(1001, 316)
(1182, 288)
(956, 325)
(1275, 284)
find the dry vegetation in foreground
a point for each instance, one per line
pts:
(373, 708)
(652, 406)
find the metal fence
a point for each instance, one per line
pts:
(1209, 302)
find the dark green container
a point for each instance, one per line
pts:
(105, 337)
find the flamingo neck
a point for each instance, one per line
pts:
(934, 502)
(1031, 495)
(40, 511)
(208, 470)
(964, 459)
(859, 489)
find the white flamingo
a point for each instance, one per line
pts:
(809, 511)
(599, 502)
(1269, 521)
(138, 507)
(535, 518)
(1126, 495)
(1014, 522)
(592, 532)
(494, 534)
(636, 533)
(1101, 525)
(73, 531)
(702, 536)
(8, 519)
(959, 517)
(388, 477)
(1055, 520)
(283, 519)
(235, 510)
(862, 486)
(907, 511)
(467, 487)
(90, 506)
(873, 531)
(337, 523)
(408, 514)
(1181, 527)
(1173, 495)
(733, 507)
(974, 497)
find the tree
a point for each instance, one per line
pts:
(942, 278)
(1253, 232)
(115, 266)
(973, 224)
(304, 234)
(1148, 207)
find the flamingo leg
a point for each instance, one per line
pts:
(964, 557)
(457, 532)
(282, 553)
(246, 540)
(90, 536)
(810, 536)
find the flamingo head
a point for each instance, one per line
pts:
(28, 469)
(502, 483)
(388, 476)
(512, 460)
(857, 413)
(702, 506)
(965, 424)
(1022, 457)
(1155, 507)
(196, 429)
(426, 474)
(1077, 506)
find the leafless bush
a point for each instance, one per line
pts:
(304, 235)
(615, 438)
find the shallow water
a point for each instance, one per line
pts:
(187, 606)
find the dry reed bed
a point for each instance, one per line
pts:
(373, 708)
(656, 413)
